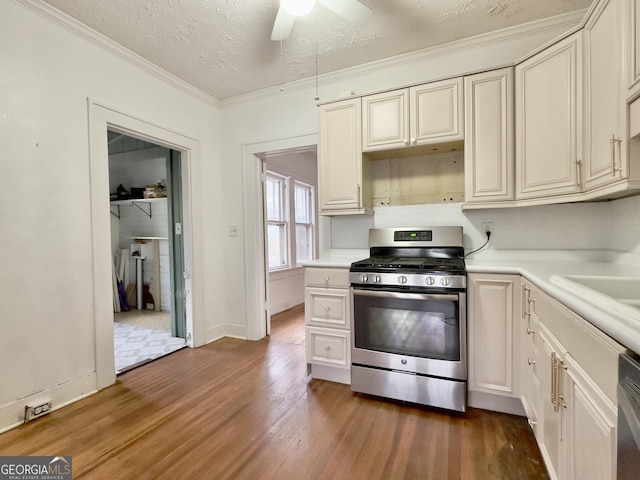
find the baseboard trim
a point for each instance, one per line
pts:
(495, 403)
(12, 414)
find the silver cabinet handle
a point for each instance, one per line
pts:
(613, 141)
(554, 373)
(531, 362)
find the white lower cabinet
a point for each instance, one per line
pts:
(328, 323)
(552, 411)
(577, 371)
(493, 309)
(527, 347)
(590, 431)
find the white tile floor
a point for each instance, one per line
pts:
(135, 345)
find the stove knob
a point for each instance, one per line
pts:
(429, 280)
(376, 279)
(445, 282)
(402, 279)
(364, 278)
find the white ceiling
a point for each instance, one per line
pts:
(223, 47)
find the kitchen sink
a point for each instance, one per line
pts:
(621, 294)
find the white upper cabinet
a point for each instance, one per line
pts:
(420, 115)
(604, 123)
(631, 16)
(548, 120)
(385, 123)
(340, 165)
(436, 112)
(488, 151)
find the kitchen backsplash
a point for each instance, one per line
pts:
(611, 225)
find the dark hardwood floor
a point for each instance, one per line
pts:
(246, 410)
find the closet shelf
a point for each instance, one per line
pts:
(143, 204)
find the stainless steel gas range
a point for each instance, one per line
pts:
(409, 317)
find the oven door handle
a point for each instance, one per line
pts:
(408, 296)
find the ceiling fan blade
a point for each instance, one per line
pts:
(282, 26)
(351, 10)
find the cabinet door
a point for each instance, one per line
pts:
(340, 157)
(530, 359)
(492, 312)
(531, 378)
(436, 112)
(605, 145)
(589, 444)
(548, 120)
(488, 150)
(632, 28)
(385, 120)
(550, 421)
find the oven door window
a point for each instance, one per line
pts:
(418, 325)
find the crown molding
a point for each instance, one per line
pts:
(568, 21)
(83, 31)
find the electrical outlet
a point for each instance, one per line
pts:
(35, 411)
(233, 230)
(487, 227)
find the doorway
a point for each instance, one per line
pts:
(256, 266)
(290, 214)
(146, 242)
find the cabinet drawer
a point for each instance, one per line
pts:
(327, 307)
(328, 347)
(326, 277)
(593, 350)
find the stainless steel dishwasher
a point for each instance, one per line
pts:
(629, 417)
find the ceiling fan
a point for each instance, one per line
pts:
(351, 10)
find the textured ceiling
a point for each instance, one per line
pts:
(223, 47)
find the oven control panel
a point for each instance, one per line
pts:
(458, 282)
(413, 236)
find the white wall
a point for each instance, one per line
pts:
(584, 226)
(47, 325)
(613, 225)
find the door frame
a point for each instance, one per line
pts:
(101, 119)
(256, 271)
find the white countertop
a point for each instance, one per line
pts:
(539, 266)
(339, 258)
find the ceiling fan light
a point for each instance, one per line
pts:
(297, 7)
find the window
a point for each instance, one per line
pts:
(290, 221)
(277, 234)
(303, 206)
